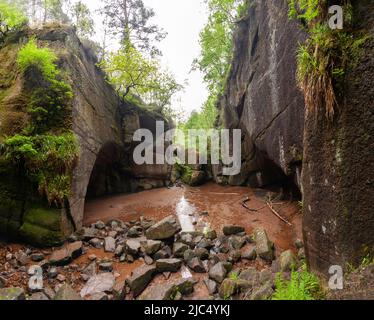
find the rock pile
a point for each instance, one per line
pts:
(224, 264)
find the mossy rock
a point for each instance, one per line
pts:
(39, 236)
(47, 218)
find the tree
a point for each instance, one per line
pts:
(82, 19)
(216, 41)
(10, 18)
(133, 74)
(130, 20)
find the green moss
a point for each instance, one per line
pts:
(39, 236)
(47, 218)
(185, 172)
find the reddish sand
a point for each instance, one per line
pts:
(223, 204)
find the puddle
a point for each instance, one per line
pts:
(186, 215)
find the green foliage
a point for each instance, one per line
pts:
(307, 10)
(185, 172)
(134, 74)
(234, 276)
(48, 161)
(325, 58)
(82, 19)
(302, 286)
(43, 59)
(10, 18)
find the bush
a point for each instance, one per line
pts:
(48, 160)
(43, 59)
(302, 286)
(10, 18)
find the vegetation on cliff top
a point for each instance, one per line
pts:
(46, 149)
(327, 55)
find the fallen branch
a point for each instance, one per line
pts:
(277, 214)
(244, 205)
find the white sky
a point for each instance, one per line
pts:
(182, 20)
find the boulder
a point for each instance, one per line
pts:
(196, 265)
(287, 261)
(152, 246)
(133, 246)
(179, 249)
(67, 293)
(168, 265)
(265, 292)
(264, 247)
(249, 254)
(110, 244)
(140, 278)
(219, 272)
(164, 229)
(12, 294)
(228, 288)
(232, 230)
(103, 282)
(65, 255)
(211, 286)
(160, 292)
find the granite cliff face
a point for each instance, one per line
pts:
(262, 98)
(330, 163)
(338, 175)
(103, 124)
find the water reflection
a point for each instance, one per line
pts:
(186, 215)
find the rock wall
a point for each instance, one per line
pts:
(262, 98)
(104, 126)
(338, 175)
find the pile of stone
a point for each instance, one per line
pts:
(163, 249)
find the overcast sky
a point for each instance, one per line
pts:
(182, 20)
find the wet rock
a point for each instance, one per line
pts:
(119, 290)
(187, 239)
(202, 253)
(148, 260)
(133, 247)
(52, 273)
(140, 278)
(287, 261)
(90, 270)
(96, 243)
(168, 265)
(196, 265)
(179, 249)
(232, 230)
(152, 246)
(264, 247)
(38, 296)
(299, 244)
(185, 286)
(218, 272)
(12, 294)
(106, 267)
(109, 244)
(134, 232)
(189, 255)
(197, 178)
(100, 225)
(37, 257)
(162, 292)
(301, 254)
(251, 275)
(65, 255)
(67, 293)
(164, 229)
(249, 254)
(119, 250)
(2, 282)
(205, 243)
(266, 276)
(210, 234)
(228, 288)
(162, 254)
(22, 258)
(103, 282)
(263, 293)
(237, 242)
(211, 285)
(235, 256)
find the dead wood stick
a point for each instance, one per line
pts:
(244, 204)
(277, 214)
